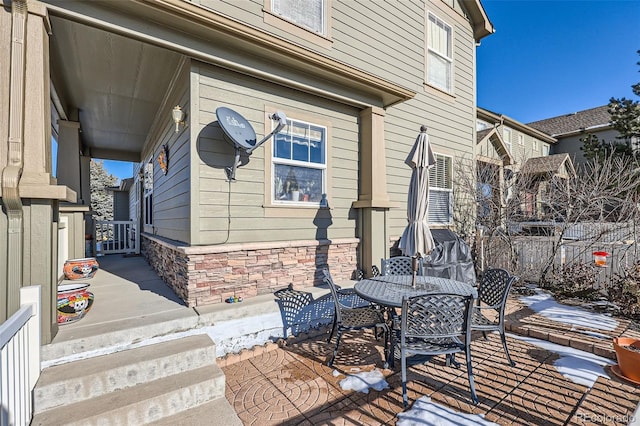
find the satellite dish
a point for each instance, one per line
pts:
(241, 134)
(237, 128)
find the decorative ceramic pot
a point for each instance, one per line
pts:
(628, 356)
(74, 301)
(80, 269)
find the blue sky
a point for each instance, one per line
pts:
(549, 58)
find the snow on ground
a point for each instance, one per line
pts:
(578, 366)
(425, 412)
(361, 382)
(545, 305)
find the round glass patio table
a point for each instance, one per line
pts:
(389, 290)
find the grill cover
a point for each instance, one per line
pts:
(451, 258)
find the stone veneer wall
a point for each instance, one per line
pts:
(203, 275)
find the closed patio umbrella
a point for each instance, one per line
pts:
(416, 239)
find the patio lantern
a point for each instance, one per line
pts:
(600, 258)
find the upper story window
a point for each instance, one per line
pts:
(520, 139)
(439, 54)
(299, 163)
(506, 136)
(535, 145)
(441, 190)
(545, 149)
(309, 14)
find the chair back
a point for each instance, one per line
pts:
(399, 265)
(494, 287)
(334, 294)
(436, 316)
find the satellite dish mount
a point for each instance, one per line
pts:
(241, 134)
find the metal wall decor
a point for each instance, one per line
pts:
(163, 158)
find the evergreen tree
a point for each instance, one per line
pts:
(625, 117)
(101, 198)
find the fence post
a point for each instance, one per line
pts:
(31, 295)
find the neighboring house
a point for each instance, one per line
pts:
(568, 129)
(356, 81)
(506, 148)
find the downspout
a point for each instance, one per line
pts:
(13, 170)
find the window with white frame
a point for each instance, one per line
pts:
(310, 14)
(535, 145)
(299, 163)
(148, 193)
(439, 54)
(506, 136)
(545, 149)
(520, 139)
(441, 190)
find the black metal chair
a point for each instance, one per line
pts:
(492, 296)
(432, 325)
(353, 313)
(399, 265)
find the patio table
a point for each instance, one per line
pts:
(389, 290)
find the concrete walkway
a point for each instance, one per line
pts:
(286, 381)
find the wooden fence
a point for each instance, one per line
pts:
(532, 253)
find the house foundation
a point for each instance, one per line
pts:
(205, 275)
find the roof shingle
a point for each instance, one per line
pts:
(576, 121)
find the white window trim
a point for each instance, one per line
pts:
(507, 139)
(535, 145)
(147, 192)
(520, 139)
(289, 208)
(449, 90)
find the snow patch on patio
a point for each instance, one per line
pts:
(245, 333)
(426, 412)
(545, 305)
(362, 382)
(578, 366)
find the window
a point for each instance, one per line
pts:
(441, 190)
(439, 57)
(506, 136)
(148, 193)
(520, 140)
(309, 14)
(535, 145)
(545, 149)
(299, 163)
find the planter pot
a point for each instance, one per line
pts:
(80, 269)
(628, 356)
(74, 301)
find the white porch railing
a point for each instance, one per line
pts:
(117, 236)
(20, 359)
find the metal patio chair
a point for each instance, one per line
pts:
(436, 324)
(353, 313)
(399, 265)
(492, 296)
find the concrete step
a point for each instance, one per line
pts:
(90, 378)
(86, 340)
(216, 412)
(143, 403)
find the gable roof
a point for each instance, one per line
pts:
(497, 142)
(549, 164)
(588, 119)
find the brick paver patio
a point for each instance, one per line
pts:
(290, 384)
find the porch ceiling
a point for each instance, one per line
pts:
(114, 86)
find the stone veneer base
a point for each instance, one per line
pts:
(203, 275)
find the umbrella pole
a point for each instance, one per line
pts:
(414, 268)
